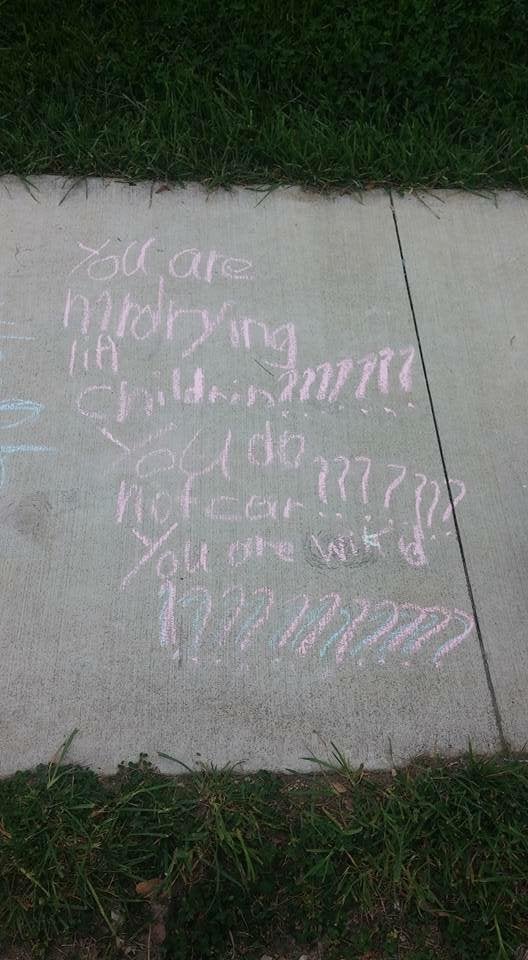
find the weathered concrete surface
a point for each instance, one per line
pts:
(466, 262)
(168, 576)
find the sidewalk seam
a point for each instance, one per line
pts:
(494, 702)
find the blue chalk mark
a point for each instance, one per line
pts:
(381, 619)
(291, 611)
(391, 640)
(26, 448)
(311, 617)
(10, 448)
(29, 408)
(200, 614)
(12, 336)
(335, 636)
(250, 621)
(434, 618)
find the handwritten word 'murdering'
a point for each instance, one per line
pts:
(187, 328)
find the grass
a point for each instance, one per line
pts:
(267, 91)
(430, 862)
(424, 864)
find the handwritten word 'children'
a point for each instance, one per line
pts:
(115, 402)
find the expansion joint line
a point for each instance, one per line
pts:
(491, 688)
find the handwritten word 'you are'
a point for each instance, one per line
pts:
(100, 263)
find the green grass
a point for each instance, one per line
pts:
(424, 864)
(413, 92)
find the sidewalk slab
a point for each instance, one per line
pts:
(225, 529)
(466, 263)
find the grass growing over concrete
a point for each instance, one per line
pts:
(423, 865)
(273, 91)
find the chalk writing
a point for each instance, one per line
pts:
(263, 483)
(99, 263)
(327, 627)
(320, 385)
(14, 414)
(167, 470)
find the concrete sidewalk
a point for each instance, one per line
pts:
(263, 470)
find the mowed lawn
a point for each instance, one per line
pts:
(409, 93)
(424, 864)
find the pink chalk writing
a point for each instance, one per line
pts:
(152, 548)
(394, 484)
(205, 266)
(221, 461)
(330, 628)
(180, 467)
(107, 267)
(146, 399)
(243, 550)
(242, 469)
(102, 264)
(413, 551)
(460, 495)
(344, 482)
(264, 451)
